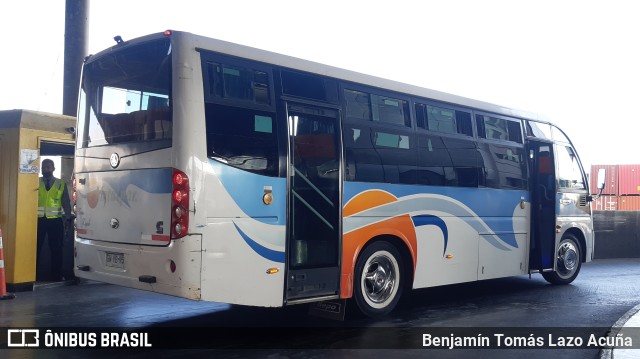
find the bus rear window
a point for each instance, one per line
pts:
(126, 96)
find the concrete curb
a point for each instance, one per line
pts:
(619, 324)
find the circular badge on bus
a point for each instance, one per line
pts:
(114, 160)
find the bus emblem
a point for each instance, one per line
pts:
(114, 160)
(114, 223)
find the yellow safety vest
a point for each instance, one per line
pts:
(50, 202)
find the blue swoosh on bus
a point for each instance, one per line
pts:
(427, 219)
(265, 252)
(494, 230)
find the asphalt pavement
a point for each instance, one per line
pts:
(605, 298)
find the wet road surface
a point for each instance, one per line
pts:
(603, 292)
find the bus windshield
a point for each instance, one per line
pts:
(126, 96)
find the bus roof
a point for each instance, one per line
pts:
(255, 54)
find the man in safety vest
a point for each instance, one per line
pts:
(53, 198)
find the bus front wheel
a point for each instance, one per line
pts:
(379, 279)
(568, 261)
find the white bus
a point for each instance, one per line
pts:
(219, 172)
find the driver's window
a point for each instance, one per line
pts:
(569, 173)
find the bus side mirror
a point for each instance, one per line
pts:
(602, 176)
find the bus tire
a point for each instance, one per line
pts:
(378, 279)
(568, 261)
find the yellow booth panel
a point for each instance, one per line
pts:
(23, 135)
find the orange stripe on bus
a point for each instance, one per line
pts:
(367, 200)
(353, 242)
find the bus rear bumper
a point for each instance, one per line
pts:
(143, 267)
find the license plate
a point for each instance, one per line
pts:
(115, 260)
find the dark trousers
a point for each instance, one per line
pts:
(53, 229)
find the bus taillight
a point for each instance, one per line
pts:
(179, 205)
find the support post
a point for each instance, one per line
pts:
(75, 49)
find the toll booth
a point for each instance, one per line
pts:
(26, 137)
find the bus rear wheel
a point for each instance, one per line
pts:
(568, 261)
(379, 279)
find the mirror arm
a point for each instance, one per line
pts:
(591, 198)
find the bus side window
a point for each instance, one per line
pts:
(363, 162)
(242, 138)
(358, 105)
(390, 110)
(494, 128)
(397, 155)
(237, 83)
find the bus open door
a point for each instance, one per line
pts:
(544, 209)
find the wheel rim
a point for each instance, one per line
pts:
(379, 278)
(567, 259)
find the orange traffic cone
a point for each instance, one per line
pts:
(3, 284)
